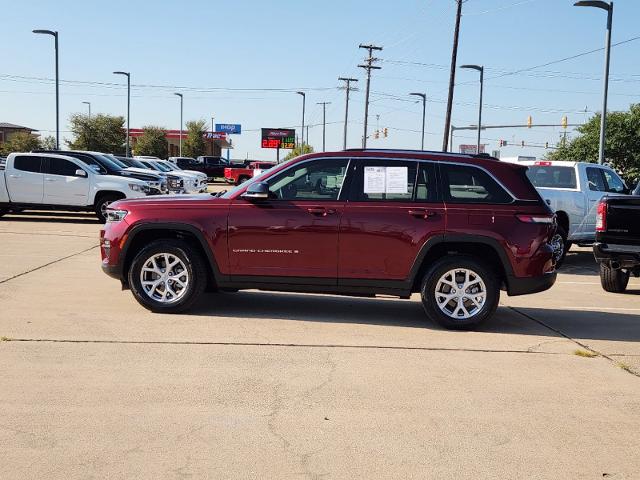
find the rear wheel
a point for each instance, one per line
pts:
(613, 280)
(459, 292)
(242, 180)
(560, 245)
(167, 276)
(102, 203)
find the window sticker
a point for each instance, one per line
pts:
(374, 179)
(397, 180)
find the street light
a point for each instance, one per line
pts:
(608, 6)
(480, 69)
(181, 99)
(423, 96)
(55, 36)
(89, 105)
(213, 130)
(128, 75)
(304, 99)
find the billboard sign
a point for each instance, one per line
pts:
(278, 138)
(230, 128)
(471, 149)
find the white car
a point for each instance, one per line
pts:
(191, 183)
(60, 182)
(175, 168)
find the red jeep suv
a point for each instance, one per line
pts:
(456, 228)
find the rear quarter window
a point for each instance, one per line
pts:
(548, 176)
(27, 164)
(467, 184)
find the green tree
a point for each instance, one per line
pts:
(194, 145)
(102, 133)
(152, 142)
(622, 142)
(299, 150)
(20, 142)
(48, 142)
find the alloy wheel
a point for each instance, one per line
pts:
(164, 278)
(460, 293)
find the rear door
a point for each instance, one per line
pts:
(392, 211)
(61, 184)
(25, 181)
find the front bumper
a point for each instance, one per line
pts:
(527, 285)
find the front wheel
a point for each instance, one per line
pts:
(167, 276)
(613, 280)
(103, 203)
(459, 292)
(560, 245)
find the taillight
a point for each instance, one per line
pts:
(548, 219)
(601, 217)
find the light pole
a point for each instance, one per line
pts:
(304, 100)
(324, 122)
(608, 6)
(181, 99)
(348, 89)
(423, 96)
(55, 36)
(89, 105)
(213, 129)
(480, 69)
(128, 75)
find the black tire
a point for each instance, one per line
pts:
(439, 270)
(613, 280)
(194, 267)
(241, 180)
(3, 211)
(102, 203)
(560, 245)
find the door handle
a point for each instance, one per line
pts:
(15, 176)
(421, 213)
(48, 179)
(321, 211)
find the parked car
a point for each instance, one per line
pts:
(174, 168)
(104, 164)
(173, 183)
(637, 190)
(213, 167)
(47, 181)
(237, 176)
(191, 183)
(617, 247)
(456, 228)
(573, 190)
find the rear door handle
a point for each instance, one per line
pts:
(49, 179)
(15, 176)
(321, 211)
(421, 213)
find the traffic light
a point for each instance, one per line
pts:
(546, 144)
(376, 134)
(503, 143)
(386, 132)
(529, 121)
(564, 122)
(522, 143)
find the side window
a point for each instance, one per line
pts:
(467, 184)
(315, 180)
(384, 181)
(426, 183)
(595, 179)
(60, 166)
(27, 164)
(614, 182)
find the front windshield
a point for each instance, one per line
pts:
(148, 165)
(117, 161)
(161, 167)
(257, 178)
(171, 167)
(107, 162)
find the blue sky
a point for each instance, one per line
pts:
(203, 48)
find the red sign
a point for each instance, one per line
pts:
(215, 135)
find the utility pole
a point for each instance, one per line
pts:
(347, 87)
(181, 100)
(213, 129)
(128, 75)
(324, 121)
(423, 96)
(368, 66)
(55, 45)
(89, 105)
(452, 77)
(478, 68)
(304, 101)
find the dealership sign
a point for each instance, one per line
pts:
(278, 138)
(230, 128)
(215, 135)
(471, 149)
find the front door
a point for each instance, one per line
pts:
(61, 184)
(295, 232)
(25, 183)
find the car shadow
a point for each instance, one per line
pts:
(579, 263)
(269, 306)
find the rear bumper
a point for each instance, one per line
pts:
(526, 285)
(623, 256)
(114, 271)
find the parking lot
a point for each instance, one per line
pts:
(277, 385)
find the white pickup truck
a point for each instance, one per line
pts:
(573, 190)
(36, 181)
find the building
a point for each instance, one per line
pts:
(7, 130)
(215, 142)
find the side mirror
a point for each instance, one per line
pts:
(81, 173)
(257, 191)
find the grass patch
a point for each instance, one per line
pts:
(584, 353)
(5, 339)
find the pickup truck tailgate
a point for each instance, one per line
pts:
(622, 221)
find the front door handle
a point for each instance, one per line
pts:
(321, 211)
(48, 179)
(421, 213)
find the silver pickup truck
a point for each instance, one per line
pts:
(573, 190)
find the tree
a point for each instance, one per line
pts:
(48, 142)
(194, 145)
(622, 142)
(296, 152)
(20, 142)
(102, 133)
(152, 142)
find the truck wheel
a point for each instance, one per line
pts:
(167, 276)
(613, 280)
(242, 180)
(102, 203)
(560, 245)
(459, 292)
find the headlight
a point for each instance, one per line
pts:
(139, 188)
(116, 215)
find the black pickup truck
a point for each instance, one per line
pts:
(213, 167)
(617, 247)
